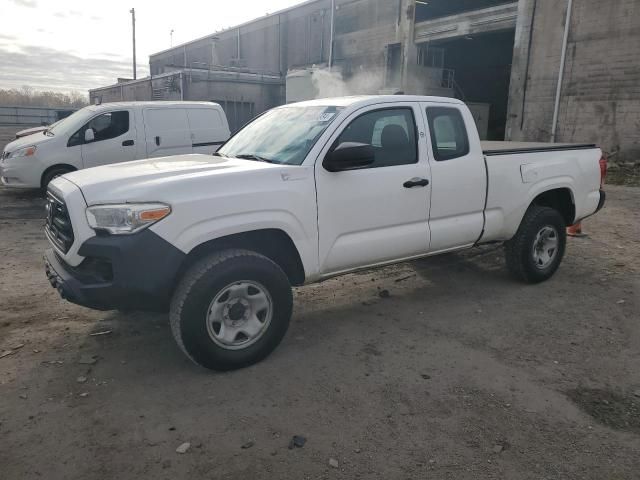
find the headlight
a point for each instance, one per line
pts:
(127, 218)
(24, 152)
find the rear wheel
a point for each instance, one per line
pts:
(535, 252)
(231, 309)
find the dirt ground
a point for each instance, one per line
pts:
(459, 374)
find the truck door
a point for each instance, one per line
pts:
(378, 213)
(459, 176)
(114, 134)
(167, 132)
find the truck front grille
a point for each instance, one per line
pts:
(58, 226)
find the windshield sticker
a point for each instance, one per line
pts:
(325, 117)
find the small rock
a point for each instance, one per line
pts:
(84, 394)
(432, 461)
(6, 353)
(81, 379)
(357, 450)
(23, 396)
(636, 393)
(183, 448)
(620, 302)
(384, 294)
(171, 429)
(297, 441)
(425, 376)
(88, 360)
(333, 463)
(497, 448)
(248, 444)
(17, 347)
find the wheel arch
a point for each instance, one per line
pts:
(560, 199)
(66, 166)
(273, 243)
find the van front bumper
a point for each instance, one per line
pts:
(125, 272)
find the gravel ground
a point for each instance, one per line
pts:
(459, 374)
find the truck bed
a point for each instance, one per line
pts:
(509, 148)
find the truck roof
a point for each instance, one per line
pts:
(364, 100)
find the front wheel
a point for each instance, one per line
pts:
(535, 252)
(231, 309)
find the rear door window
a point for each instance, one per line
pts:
(449, 137)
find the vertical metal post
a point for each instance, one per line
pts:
(565, 39)
(333, 12)
(133, 24)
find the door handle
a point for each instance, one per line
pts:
(127, 143)
(416, 182)
(157, 141)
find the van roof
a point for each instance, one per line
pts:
(112, 105)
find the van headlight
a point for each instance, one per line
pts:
(126, 218)
(24, 152)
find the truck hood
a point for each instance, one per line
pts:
(160, 179)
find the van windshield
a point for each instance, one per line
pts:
(71, 123)
(284, 135)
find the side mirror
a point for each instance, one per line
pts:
(349, 156)
(88, 135)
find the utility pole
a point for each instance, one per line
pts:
(133, 24)
(171, 36)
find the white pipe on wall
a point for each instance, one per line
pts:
(333, 12)
(565, 40)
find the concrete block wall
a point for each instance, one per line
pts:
(600, 99)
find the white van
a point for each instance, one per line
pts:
(112, 133)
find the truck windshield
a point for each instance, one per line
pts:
(284, 135)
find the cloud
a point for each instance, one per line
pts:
(26, 3)
(45, 68)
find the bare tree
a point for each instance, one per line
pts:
(28, 96)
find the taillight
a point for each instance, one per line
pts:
(603, 169)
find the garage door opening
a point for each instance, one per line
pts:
(480, 70)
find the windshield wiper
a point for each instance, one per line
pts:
(251, 156)
(48, 133)
(218, 154)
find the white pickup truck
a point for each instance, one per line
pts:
(305, 192)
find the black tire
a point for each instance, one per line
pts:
(51, 174)
(200, 286)
(520, 253)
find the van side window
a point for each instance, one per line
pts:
(391, 132)
(448, 133)
(105, 126)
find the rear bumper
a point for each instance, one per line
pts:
(603, 199)
(119, 272)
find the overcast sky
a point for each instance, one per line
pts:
(66, 45)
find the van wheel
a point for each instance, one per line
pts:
(231, 309)
(535, 252)
(49, 175)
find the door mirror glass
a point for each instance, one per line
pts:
(89, 135)
(349, 156)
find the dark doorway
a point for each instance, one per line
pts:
(394, 64)
(481, 66)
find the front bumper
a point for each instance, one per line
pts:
(119, 272)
